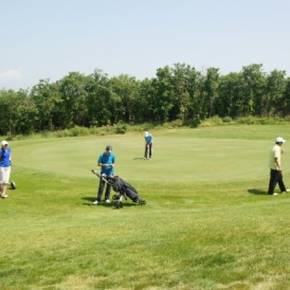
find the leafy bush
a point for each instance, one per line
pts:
(9, 138)
(250, 120)
(62, 133)
(173, 124)
(79, 131)
(195, 122)
(227, 119)
(213, 121)
(120, 128)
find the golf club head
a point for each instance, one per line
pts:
(94, 172)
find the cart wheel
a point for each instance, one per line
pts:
(13, 185)
(142, 202)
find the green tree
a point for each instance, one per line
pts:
(230, 100)
(209, 92)
(18, 112)
(186, 84)
(8, 100)
(126, 88)
(46, 98)
(144, 105)
(161, 101)
(274, 101)
(253, 89)
(102, 104)
(286, 98)
(72, 107)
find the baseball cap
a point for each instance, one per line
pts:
(108, 147)
(4, 142)
(146, 133)
(280, 140)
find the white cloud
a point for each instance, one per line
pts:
(11, 74)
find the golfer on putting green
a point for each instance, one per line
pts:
(148, 145)
(276, 167)
(107, 162)
(5, 168)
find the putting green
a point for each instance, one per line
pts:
(176, 159)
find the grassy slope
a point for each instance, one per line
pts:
(206, 225)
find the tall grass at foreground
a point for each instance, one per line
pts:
(198, 230)
(122, 128)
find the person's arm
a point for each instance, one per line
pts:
(277, 164)
(277, 159)
(113, 161)
(109, 164)
(100, 161)
(10, 157)
(103, 164)
(106, 164)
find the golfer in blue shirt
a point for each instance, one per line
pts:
(5, 168)
(107, 162)
(148, 145)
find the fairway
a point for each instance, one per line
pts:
(208, 223)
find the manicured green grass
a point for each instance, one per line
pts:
(208, 223)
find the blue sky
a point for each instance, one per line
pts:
(47, 39)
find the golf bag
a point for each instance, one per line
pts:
(123, 190)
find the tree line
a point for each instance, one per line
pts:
(176, 92)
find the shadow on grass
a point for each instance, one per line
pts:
(257, 191)
(138, 158)
(90, 199)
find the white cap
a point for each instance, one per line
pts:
(146, 133)
(280, 140)
(4, 142)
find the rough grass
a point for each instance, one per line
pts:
(208, 223)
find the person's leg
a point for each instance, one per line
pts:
(6, 179)
(4, 189)
(108, 191)
(274, 176)
(100, 190)
(150, 150)
(1, 179)
(281, 182)
(146, 151)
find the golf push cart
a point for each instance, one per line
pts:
(122, 188)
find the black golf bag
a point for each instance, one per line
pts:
(123, 190)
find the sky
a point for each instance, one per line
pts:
(41, 39)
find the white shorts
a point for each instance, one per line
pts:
(5, 175)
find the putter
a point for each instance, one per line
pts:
(99, 175)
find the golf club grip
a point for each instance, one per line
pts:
(99, 175)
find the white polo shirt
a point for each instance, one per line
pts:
(275, 154)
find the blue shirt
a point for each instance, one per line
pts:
(5, 157)
(148, 139)
(107, 159)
